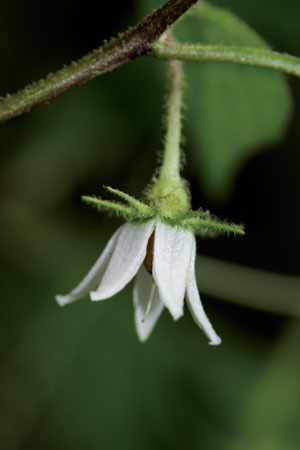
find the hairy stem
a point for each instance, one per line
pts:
(169, 194)
(127, 46)
(240, 55)
(170, 168)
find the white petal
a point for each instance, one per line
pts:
(92, 279)
(129, 253)
(172, 254)
(141, 295)
(195, 304)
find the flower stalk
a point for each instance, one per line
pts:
(169, 193)
(170, 168)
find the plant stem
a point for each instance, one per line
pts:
(253, 288)
(240, 55)
(127, 46)
(169, 194)
(170, 168)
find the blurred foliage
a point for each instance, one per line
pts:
(232, 111)
(77, 378)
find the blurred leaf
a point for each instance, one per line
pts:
(270, 420)
(233, 111)
(259, 289)
(86, 134)
(278, 20)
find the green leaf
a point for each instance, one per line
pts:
(233, 111)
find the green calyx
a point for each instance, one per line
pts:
(169, 204)
(169, 197)
(132, 210)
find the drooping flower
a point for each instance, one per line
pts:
(161, 254)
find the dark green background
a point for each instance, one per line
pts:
(77, 377)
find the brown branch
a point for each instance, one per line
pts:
(127, 46)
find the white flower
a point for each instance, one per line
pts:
(170, 259)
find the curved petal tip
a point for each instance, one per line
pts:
(62, 300)
(215, 341)
(176, 314)
(95, 296)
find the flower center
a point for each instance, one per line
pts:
(148, 261)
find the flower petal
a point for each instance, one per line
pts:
(127, 257)
(195, 304)
(172, 254)
(141, 295)
(92, 279)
